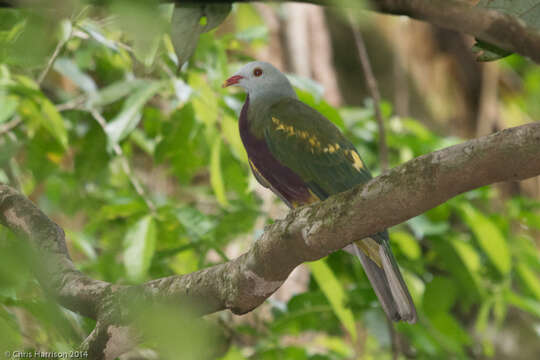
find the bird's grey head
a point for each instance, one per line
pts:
(261, 80)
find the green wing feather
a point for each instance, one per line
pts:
(314, 148)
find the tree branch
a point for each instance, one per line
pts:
(57, 275)
(505, 31)
(306, 234)
(312, 232)
(500, 29)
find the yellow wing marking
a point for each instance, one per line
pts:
(314, 141)
(371, 248)
(331, 148)
(357, 162)
(288, 129)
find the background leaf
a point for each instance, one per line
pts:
(128, 118)
(489, 238)
(139, 244)
(216, 176)
(335, 294)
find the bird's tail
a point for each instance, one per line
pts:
(383, 273)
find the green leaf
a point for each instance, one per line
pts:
(468, 255)
(83, 243)
(129, 117)
(407, 243)
(8, 105)
(185, 31)
(423, 339)
(146, 47)
(70, 70)
(246, 17)
(9, 328)
(121, 208)
(139, 244)
(189, 22)
(335, 294)
(439, 296)
(489, 237)
(530, 279)
(143, 23)
(462, 261)
(205, 103)
(483, 317)
(231, 134)
(422, 226)
(453, 332)
(500, 308)
(236, 222)
(93, 29)
(183, 144)
(234, 353)
(52, 120)
(197, 224)
(524, 303)
(36, 108)
(215, 15)
(116, 91)
(253, 33)
(419, 130)
(40, 110)
(216, 176)
(280, 352)
(9, 148)
(304, 312)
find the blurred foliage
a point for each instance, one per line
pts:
(144, 169)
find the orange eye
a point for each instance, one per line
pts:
(257, 72)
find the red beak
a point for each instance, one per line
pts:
(232, 80)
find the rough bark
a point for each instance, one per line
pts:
(306, 234)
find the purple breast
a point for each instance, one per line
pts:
(287, 183)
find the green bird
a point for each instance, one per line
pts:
(302, 157)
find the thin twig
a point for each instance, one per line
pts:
(374, 92)
(125, 164)
(10, 125)
(72, 104)
(53, 57)
(402, 91)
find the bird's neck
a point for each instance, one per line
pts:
(265, 95)
(261, 100)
